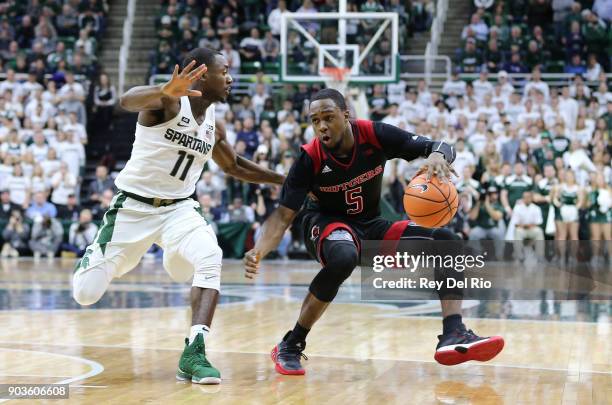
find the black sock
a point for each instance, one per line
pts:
(451, 323)
(298, 334)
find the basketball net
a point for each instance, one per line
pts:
(338, 78)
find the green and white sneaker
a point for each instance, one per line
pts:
(194, 366)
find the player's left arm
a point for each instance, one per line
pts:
(237, 166)
(397, 143)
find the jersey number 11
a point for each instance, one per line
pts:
(179, 163)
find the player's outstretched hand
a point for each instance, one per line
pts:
(436, 165)
(180, 83)
(251, 263)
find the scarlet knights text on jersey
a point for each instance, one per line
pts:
(350, 188)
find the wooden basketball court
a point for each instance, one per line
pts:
(125, 349)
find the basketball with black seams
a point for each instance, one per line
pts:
(432, 203)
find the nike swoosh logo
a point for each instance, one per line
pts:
(209, 277)
(179, 124)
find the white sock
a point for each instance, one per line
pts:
(195, 329)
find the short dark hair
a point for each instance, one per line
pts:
(201, 56)
(332, 94)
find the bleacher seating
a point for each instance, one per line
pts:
(558, 36)
(48, 71)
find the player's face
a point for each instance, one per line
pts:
(329, 122)
(217, 80)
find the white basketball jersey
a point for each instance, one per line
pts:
(167, 159)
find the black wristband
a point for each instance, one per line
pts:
(447, 150)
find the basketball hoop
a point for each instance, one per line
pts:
(336, 78)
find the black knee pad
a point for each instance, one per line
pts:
(341, 258)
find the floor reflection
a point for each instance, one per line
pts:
(43, 299)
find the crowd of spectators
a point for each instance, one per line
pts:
(561, 36)
(48, 58)
(248, 33)
(533, 161)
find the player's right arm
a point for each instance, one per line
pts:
(150, 101)
(272, 232)
(295, 189)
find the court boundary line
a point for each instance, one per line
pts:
(463, 366)
(95, 367)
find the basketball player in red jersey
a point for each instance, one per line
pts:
(343, 168)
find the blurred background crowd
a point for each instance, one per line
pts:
(533, 159)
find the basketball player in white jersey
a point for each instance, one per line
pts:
(176, 134)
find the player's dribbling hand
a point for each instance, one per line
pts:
(251, 263)
(180, 83)
(436, 165)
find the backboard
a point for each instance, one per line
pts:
(366, 43)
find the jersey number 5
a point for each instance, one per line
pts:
(354, 200)
(179, 162)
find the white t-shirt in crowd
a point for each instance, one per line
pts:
(456, 87)
(540, 85)
(50, 167)
(396, 92)
(39, 152)
(73, 153)
(64, 188)
(463, 159)
(477, 141)
(397, 121)
(79, 131)
(568, 108)
(527, 214)
(38, 184)
(5, 172)
(482, 87)
(76, 88)
(13, 149)
(18, 188)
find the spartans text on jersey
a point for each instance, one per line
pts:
(187, 141)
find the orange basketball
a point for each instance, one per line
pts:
(430, 204)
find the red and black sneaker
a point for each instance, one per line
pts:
(287, 355)
(463, 345)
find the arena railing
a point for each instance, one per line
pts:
(124, 51)
(437, 28)
(553, 80)
(22, 77)
(241, 85)
(243, 82)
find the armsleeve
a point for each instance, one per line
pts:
(298, 183)
(397, 143)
